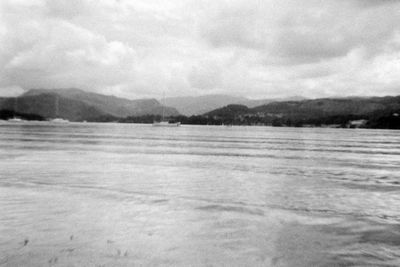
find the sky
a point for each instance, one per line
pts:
(251, 48)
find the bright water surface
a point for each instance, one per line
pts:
(137, 195)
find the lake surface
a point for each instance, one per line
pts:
(136, 195)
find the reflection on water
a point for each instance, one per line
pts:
(124, 195)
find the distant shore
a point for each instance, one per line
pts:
(391, 121)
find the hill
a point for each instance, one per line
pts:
(329, 107)
(115, 106)
(231, 111)
(78, 105)
(45, 105)
(192, 105)
(374, 112)
(196, 105)
(251, 103)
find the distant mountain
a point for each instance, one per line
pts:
(78, 105)
(196, 105)
(316, 107)
(191, 105)
(45, 105)
(378, 112)
(230, 111)
(251, 103)
(329, 106)
(115, 106)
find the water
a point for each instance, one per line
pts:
(136, 195)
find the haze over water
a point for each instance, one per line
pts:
(137, 195)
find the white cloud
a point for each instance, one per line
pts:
(255, 48)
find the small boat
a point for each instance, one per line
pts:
(166, 124)
(163, 122)
(59, 120)
(57, 112)
(15, 119)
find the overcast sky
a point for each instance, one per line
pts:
(253, 48)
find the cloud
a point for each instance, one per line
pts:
(255, 48)
(206, 75)
(374, 3)
(68, 9)
(69, 55)
(289, 32)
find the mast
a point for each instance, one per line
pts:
(57, 107)
(163, 105)
(15, 105)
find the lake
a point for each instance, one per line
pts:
(86, 194)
